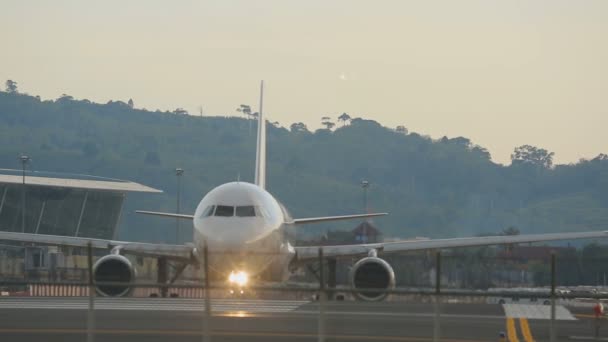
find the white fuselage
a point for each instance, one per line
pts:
(244, 227)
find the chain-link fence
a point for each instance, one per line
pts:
(434, 307)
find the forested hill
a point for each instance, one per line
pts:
(434, 188)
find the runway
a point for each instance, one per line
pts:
(140, 319)
(154, 304)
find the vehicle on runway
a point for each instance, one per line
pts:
(244, 229)
(525, 295)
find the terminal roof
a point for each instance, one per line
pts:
(72, 181)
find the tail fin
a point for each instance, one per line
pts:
(260, 159)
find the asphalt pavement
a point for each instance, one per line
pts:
(172, 319)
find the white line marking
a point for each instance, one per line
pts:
(531, 311)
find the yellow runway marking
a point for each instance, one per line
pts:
(511, 331)
(525, 329)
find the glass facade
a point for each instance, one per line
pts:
(101, 214)
(60, 211)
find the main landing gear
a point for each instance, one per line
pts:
(162, 272)
(330, 277)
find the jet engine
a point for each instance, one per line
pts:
(114, 268)
(372, 273)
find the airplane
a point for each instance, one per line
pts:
(243, 229)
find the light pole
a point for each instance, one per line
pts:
(24, 160)
(365, 185)
(178, 172)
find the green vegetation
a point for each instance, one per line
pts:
(435, 188)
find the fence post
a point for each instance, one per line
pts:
(437, 317)
(321, 332)
(91, 312)
(552, 325)
(207, 295)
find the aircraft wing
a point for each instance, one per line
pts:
(181, 252)
(294, 221)
(333, 218)
(311, 252)
(158, 213)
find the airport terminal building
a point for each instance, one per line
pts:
(63, 204)
(57, 204)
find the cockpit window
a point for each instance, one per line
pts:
(208, 211)
(262, 211)
(224, 210)
(245, 211)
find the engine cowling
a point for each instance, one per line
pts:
(372, 273)
(114, 268)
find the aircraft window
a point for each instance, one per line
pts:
(261, 211)
(224, 210)
(208, 211)
(245, 211)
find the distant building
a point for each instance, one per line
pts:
(524, 254)
(518, 261)
(367, 232)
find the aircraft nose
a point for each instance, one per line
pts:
(228, 239)
(233, 235)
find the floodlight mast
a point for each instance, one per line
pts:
(178, 172)
(365, 185)
(24, 160)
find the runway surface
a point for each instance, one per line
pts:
(147, 319)
(154, 304)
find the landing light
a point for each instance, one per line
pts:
(239, 278)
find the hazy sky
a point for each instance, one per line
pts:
(503, 73)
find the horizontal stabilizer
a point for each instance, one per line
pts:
(182, 216)
(333, 218)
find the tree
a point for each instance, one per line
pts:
(11, 86)
(326, 121)
(298, 127)
(130, 103)
(65, 97)
(601, 157)
(484, 153)
(180, 111)
(329, 125)
(401, 129)
(527, 154)
(245, 109)
(344, 118)
(462, 141)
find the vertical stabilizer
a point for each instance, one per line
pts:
(260, 158)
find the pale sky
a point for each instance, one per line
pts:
(502, 73)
